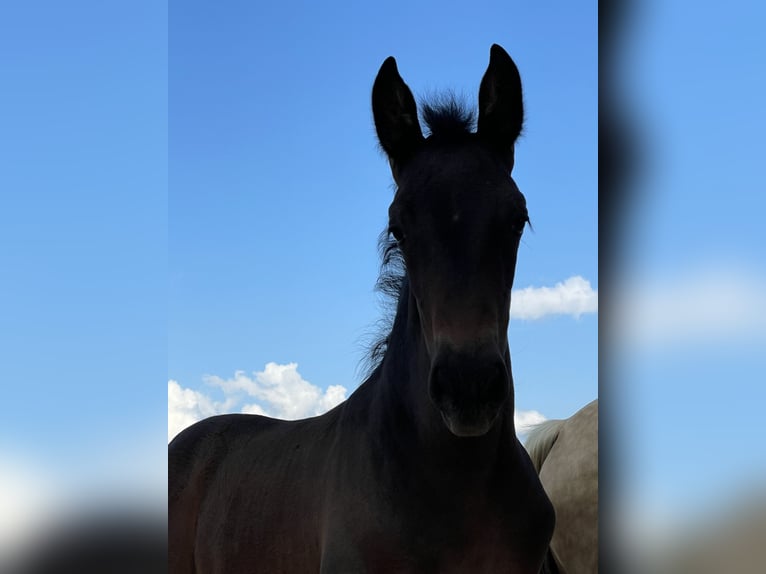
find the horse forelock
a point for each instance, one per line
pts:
(446, 115)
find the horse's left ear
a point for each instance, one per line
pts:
(501, 110)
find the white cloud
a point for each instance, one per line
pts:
(574, 297)
(525, 420)
(333, 396)
(278, 391)
(186, 406)
(716, 303)
(254, 409)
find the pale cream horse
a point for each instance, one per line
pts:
(565, 454)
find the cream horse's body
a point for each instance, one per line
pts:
(565, 454)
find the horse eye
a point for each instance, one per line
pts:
(397, 232)
(515, 230)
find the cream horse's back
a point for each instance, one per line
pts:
(565, 454)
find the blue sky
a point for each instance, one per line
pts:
(83, 263)
(83, 223)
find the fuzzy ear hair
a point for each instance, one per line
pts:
(501, 110)
(395, 113)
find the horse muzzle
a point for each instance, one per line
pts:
(469, 389)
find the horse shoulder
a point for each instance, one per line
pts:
(194, 456)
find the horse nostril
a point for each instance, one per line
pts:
(437, 382)
(468, 389)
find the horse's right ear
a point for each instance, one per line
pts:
(501, 110)
(395, 113)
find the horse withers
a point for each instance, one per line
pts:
(420, 470)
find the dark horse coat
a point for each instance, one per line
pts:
(420, 470)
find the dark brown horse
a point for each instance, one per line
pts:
(420, 470)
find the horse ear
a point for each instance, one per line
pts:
(395, 113)
(501, 111)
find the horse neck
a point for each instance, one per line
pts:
(407, 412)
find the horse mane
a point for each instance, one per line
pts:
(390, 284)
(448, 118)
(541, 439)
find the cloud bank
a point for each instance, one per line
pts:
(278, 391)
(574, 297)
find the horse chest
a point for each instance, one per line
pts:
(486, 551)
(431, 534)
